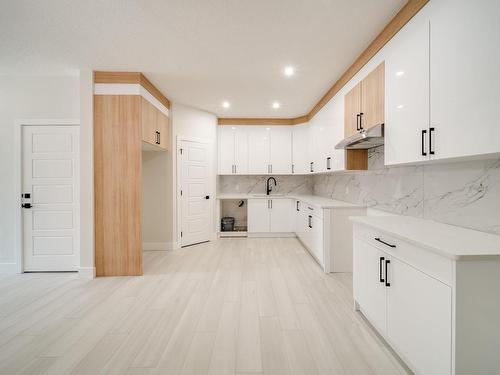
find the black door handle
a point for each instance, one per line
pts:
(381, 260)
(357, 122)
(310, 221)
(431, 151)
(361, 121)
(387, 283)
(207, 196)
(385, 243)
(26, 205)
(423, 142)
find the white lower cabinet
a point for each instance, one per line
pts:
(309, 229)
(410, 308)
(270, 215)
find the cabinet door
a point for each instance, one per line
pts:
(316, 229)
(163, 126)
(465, 77)
(281, 216)
(240, 150)
(226, 150)
(419, 319)
(149, 122)
(407, 92)
(368, 291)
(258, 149)
(300, 149)
(281, 150)
(258, 215)
(372, 98)
(352, 108)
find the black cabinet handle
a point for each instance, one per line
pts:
(385, 243)
(431, 151)
(357, 122)
(207, 196)
(310, 221)
(328, 163)
(381, 260)
(293, 168)
(423, 142)
(361, 121)
(298, 209)
(159, 138)
(387, 283)
(26, 205)
(312, 166)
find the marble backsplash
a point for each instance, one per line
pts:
(465, 194)
(251, 184)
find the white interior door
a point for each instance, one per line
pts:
(50, 183)
(196, 196)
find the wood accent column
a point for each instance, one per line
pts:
(118, 185)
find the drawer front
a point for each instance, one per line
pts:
(312, 210)
(428, 262)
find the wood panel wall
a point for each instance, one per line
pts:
(117, 185)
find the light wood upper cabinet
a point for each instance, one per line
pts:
(352, 110)
(148, 121)
(364, 104)
(372, 98)
(163, 126)
(155, 126)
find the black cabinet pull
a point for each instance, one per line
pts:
(361, 121)
(328, 163)
(310, 221)
(298, 209)
(423, 142)
(431, 151)
(311, 166)
(293, 168)
(26, 205)
(385, 243)
(381, 260)
(357, 122)
(207, 196)
(387, 283)
(159, 138)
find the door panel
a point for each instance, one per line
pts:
(352, 107)
(258, 215)
(281, 150)
(372, 98)
(240, 150)
(163, 127)
(195, 208)
(407, 94)
(149, 121)
(300, 149)
(226, 149)
(50, 174)
(258, 149)
(419, 319)
(368, 291)
(281, 218)
(465, 77)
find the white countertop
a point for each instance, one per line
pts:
(448, 240)
(310, 199)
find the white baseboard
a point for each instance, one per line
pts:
(8, 268)
(87, 272)
(160, 246)
(271, 235)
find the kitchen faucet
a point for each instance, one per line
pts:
(268, 187)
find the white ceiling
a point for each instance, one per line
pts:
(199, 52)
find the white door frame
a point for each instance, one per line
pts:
(178, 167)
(18, 178)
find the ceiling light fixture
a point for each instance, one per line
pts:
(289, 71)
(276, 105)
(226, 104)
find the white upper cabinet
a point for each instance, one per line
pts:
(465, 77)
(407, 93)
(233, 150)
(258, 149)
(300, 149)
(281, 150)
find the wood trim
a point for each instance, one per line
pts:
(356, 160)
(400, 19)
(406, 13)
(134, 78)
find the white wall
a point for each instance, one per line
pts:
(23, 97)
(193, 123)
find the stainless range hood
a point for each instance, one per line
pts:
(364, 139)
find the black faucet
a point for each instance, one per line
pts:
(268, 187)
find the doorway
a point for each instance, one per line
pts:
(50, 197)
(195, 196)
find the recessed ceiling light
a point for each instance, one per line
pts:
(289, 71)
(400, 73)
(276, 105)
(226, 104)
